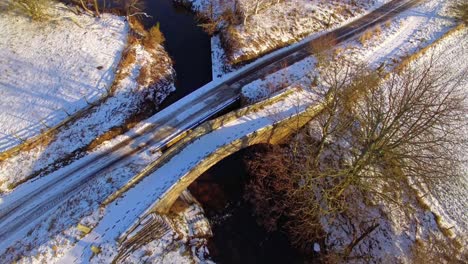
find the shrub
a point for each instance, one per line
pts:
(154, 37)
(367, 35)
(378, 30)
(35, 9)
(388, 23)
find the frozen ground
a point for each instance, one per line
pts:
(49, 69)
(407, 33)
(449, 198)
(411, 31)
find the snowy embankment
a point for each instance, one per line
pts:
(275, 25)
(52, 69)
(130, 94)
(410, 32)
(287, 22)
(449, 199)
(396, 39)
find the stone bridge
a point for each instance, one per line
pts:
(269, 121)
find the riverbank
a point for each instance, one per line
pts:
(247, 30)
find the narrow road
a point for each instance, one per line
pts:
(29, 203)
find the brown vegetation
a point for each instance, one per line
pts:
(153, 38)
(271, 180)
(436, 250)
(369, 34)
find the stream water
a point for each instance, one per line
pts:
(187, 44)
(237, 236)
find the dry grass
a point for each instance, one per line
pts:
(365, 37)
(41, 140)
(437, 250)
(136, 26)
(112, 133)
(128, 59)
(35, 9)
(369, 34)
(388, 23)
(144, 76)
(378, 30)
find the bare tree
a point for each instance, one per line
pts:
(402, 131)
(378, 135)
(246, 8)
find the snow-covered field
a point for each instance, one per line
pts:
(53, 68)
(449, 199)
(70, 141)
(406, 34)
(411, 31)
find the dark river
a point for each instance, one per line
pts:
(187, 44)
(237, 236)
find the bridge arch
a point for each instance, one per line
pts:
(271, 134)
(225, 135)
(165, 203)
